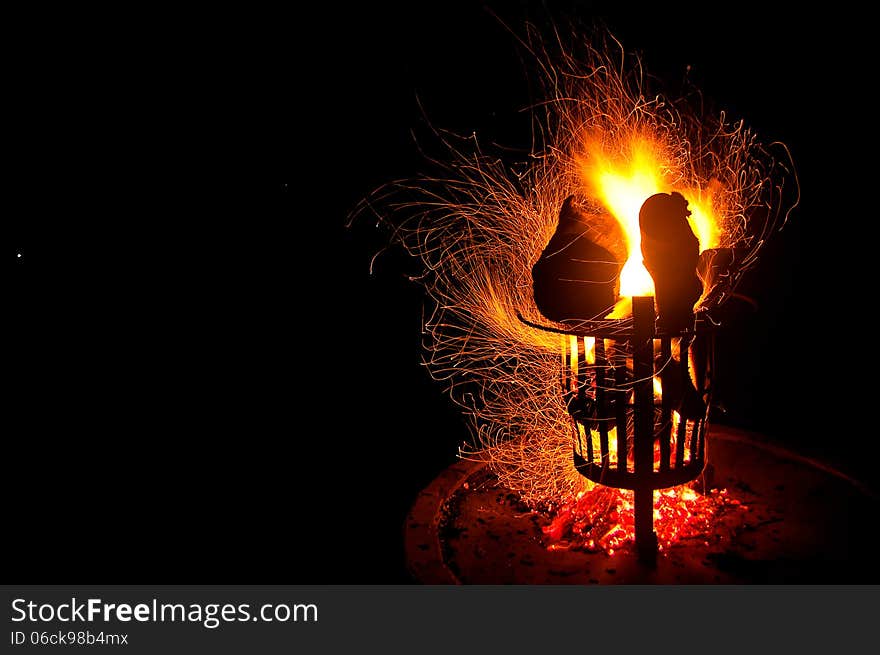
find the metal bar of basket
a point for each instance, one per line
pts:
(682, 422)
(666, 417)
(600, 372)
(620, 407)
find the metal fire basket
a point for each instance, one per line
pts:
(638, 398)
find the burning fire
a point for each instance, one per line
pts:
(480, 224)
(621, 172)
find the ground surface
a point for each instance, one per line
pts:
(799, 522)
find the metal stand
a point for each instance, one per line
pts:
(643, 419)
(604, 364)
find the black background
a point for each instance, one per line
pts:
(206, 384)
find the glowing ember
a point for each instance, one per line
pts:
(602, 518)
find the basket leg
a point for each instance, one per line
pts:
(643, 415)
(646, 538)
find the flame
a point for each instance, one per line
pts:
(621, 172)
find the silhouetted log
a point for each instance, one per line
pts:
(681, 394)
(670, 252)
(575, 277)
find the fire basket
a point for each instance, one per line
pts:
(638, 397)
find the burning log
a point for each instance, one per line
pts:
(575, 277)
(671, 252)
(679, 391)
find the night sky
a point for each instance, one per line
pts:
(179, 264)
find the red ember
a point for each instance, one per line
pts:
(602, 518)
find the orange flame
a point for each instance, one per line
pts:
(621, 173)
